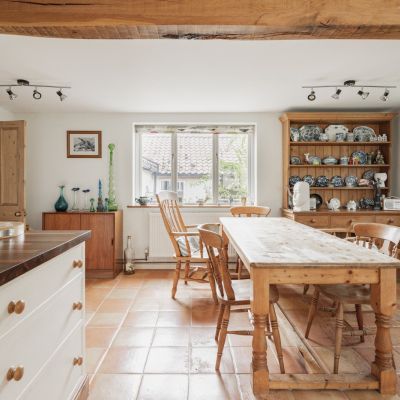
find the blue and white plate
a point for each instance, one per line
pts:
(363, 133)
(322, 181)
(369, 175)
(294, 132)
(329, 160)
(337, 181)
(294, 179)
(309, 179)
(294, 160)
(351, 181)
(309, 133)
(360, 155)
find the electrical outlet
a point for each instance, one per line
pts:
(146, 253)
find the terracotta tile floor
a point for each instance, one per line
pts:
(141, 344)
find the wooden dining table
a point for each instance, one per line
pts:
(282, 251)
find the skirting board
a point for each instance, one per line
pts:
(163, 265)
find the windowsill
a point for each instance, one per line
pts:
(182, 206)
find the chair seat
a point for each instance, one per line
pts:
(350, 294)
(242, 289)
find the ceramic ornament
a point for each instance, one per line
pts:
(301, 196)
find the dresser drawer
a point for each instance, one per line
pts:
(316, 221)
(32, 342)
(37, 285)
(388, 219)
(347, 222)
(60, 377)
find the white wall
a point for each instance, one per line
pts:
(48, 166)
(6, 115)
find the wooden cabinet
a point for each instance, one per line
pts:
(340, 221)
(104, 248)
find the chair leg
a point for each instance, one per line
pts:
(338, 337)
(212, 282)
(187, 270)
(360, 321)
(222, 335)
(312, 311)
(240, 267)
(334, 307)
(277, 337)
(305, 289)
(219, 322)
(176, 278)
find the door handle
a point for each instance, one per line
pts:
(18, 214)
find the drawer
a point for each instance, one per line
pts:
(316, 221)
(347, 222)
(59, 377)
(32, 342)
(37, 285)
(388, 219)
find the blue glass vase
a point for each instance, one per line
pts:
(61, 203)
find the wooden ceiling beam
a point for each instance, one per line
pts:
(202, 19)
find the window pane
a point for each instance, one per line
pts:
(156, 163)
(195, 167)
(233, 167)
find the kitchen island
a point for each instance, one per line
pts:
(42, 283)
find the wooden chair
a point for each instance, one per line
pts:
(187, 245)
(233, 294)
(247, 211)
(385, 238)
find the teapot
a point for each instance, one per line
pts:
(334, 204)
(142, 200)
(351, 205)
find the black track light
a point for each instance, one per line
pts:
(385, 95)
(37, 95)
(11, 94)
(312, 96)
(363, 94)
(336, 94)
(61, 95)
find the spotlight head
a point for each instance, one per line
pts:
(11, 94)
(385, 95)
(336, 94)
(363, 94)
(311, 96)
(61, 95)
(37, 95)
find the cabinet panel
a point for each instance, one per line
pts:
(388, 219)
(100, 247)
(62, 221)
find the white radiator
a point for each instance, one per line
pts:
(160, 247)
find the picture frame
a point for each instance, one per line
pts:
(84, 144)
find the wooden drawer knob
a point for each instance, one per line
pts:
(77, 306)
(15, 373)
(77, 361)
(313, 221)
(390, 221)
(77, 264)
(16, 307)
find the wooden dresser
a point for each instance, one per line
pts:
(42, 317)
(323, 218)
(104, 252)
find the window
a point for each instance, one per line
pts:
(203, 164)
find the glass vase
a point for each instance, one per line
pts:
(61, 204)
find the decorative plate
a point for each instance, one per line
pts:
(322, 181)
(308, 133)
(360, 155)
(369, 175)
(363, 133)
(334, 204)
(309, 179)
(294, 133)
(351, 181)
(318, 198)
(329, 160)
(294, 179)
(367, 203)
(337, 181)
(294, 160)
(335, 131)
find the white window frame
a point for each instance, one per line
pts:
(251, 179)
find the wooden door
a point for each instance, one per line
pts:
(12, 171)
(61, 221)
(100, 247)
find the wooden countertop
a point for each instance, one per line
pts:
(21, 254)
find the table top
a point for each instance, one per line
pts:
(280, 242)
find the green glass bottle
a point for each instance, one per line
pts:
(61, 204)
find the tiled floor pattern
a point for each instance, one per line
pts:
(143, 345)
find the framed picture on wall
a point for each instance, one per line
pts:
(84, 144)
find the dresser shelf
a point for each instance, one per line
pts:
(339, 166)
(339, 143)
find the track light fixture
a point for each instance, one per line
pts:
(312, 95)
(385, 95)
(349, 84)
(11, 94)
(336, 94)
(36, 94)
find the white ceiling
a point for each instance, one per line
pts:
(195, 76)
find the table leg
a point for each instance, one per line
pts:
(383, 301)
(260, 307)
